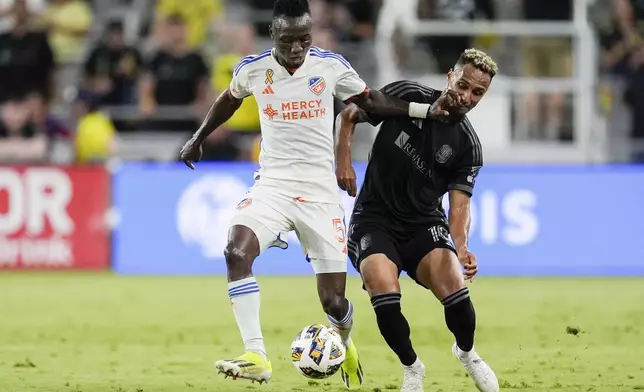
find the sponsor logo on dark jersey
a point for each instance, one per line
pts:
(402, 141)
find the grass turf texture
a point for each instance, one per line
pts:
(101, 333)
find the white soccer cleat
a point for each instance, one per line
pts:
(413, 378)
(479, 371)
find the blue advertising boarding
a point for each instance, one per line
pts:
(527, 220)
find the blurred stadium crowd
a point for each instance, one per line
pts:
(85, 80)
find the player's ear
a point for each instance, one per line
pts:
(450, 74)
(270, 30)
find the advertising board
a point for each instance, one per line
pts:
(526, 220)
(54, 217)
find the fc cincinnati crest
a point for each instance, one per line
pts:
(317, 85)
(443, 153)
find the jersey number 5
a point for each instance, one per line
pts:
(338, 224)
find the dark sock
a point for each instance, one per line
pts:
(394, 326)
(461, 318)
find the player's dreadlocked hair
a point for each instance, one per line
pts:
(290, 8)
(479, 60)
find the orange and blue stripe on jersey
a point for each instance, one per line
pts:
(355, 97)
(327, 54)
(250, 59)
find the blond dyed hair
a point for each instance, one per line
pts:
(480, 60)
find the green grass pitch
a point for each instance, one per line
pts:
(101, 333)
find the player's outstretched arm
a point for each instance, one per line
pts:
(461, 187)
(459, 218)
(459, 227)
(385, 105)
(220, 111)
(345, 128)
(374, 101)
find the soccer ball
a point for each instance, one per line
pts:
(317, 351)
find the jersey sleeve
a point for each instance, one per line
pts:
(239, 85)
(468, 164)
(348, 83)
(407, 91)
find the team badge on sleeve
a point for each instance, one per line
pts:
(317, 85)
(444, 153)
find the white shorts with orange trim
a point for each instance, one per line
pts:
(319, 226)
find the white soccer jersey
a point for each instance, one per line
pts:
(296, 112)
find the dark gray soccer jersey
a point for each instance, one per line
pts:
(413, 163)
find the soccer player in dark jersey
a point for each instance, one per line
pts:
(398, 223)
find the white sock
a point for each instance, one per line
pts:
(465, 355)
(417, 364)
(244, 296)
(343, 327)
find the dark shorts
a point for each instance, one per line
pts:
(404, 248)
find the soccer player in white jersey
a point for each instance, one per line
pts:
(295, 188)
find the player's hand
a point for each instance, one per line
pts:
(346, 177)
(439, 109)
(469, 263)
(191, 152)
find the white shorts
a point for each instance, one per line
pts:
(319, 226)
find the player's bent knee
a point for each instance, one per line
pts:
(441, 272)
(241, 250)
(242, 245)
(237, 261)
(234, 254)
(379, 274)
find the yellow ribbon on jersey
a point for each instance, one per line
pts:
(269, 76)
